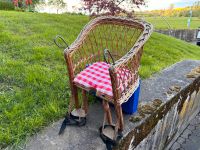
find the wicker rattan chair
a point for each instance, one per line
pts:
(124, 38)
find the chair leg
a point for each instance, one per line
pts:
(119, 115)
(107, 111)
(75, 96)
(85, 101)
(121, 118)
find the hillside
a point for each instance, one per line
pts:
(174, 22)
(34, 87)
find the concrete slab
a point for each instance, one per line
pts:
(87, 137)
(189, 142)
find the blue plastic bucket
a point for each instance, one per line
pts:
(132, 104)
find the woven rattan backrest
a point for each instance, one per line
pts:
(118, 35)
(124, 38)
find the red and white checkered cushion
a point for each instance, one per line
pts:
(96, 77)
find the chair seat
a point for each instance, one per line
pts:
(96, 77)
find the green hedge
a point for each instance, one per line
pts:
(4, 5)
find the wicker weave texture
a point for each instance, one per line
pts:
(123, 37)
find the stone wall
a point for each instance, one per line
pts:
(163, 126)
(186, 35)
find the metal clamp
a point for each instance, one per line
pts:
(105, 54)
(63, 40)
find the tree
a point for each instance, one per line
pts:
(196, 4)
(25, 3)
(171, 6)
(59, 4)
(111, 7)
(18, 3)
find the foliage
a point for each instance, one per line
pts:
(59, 4)
(6, 5)
(111, 7)
(196, 4)
(21, 5)
(178, 12)
(34, 90)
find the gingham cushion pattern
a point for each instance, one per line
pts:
(96, 77)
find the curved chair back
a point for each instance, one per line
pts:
(124, 38)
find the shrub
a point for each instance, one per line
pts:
(196, 13)
(19, 9)
(5, 5)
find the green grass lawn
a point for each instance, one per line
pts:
(175, 22)
(34, 88)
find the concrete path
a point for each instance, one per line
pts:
(190, 138)
(87, 137)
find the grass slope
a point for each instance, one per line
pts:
(162, 51)
(175, 22)
(34, 87)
